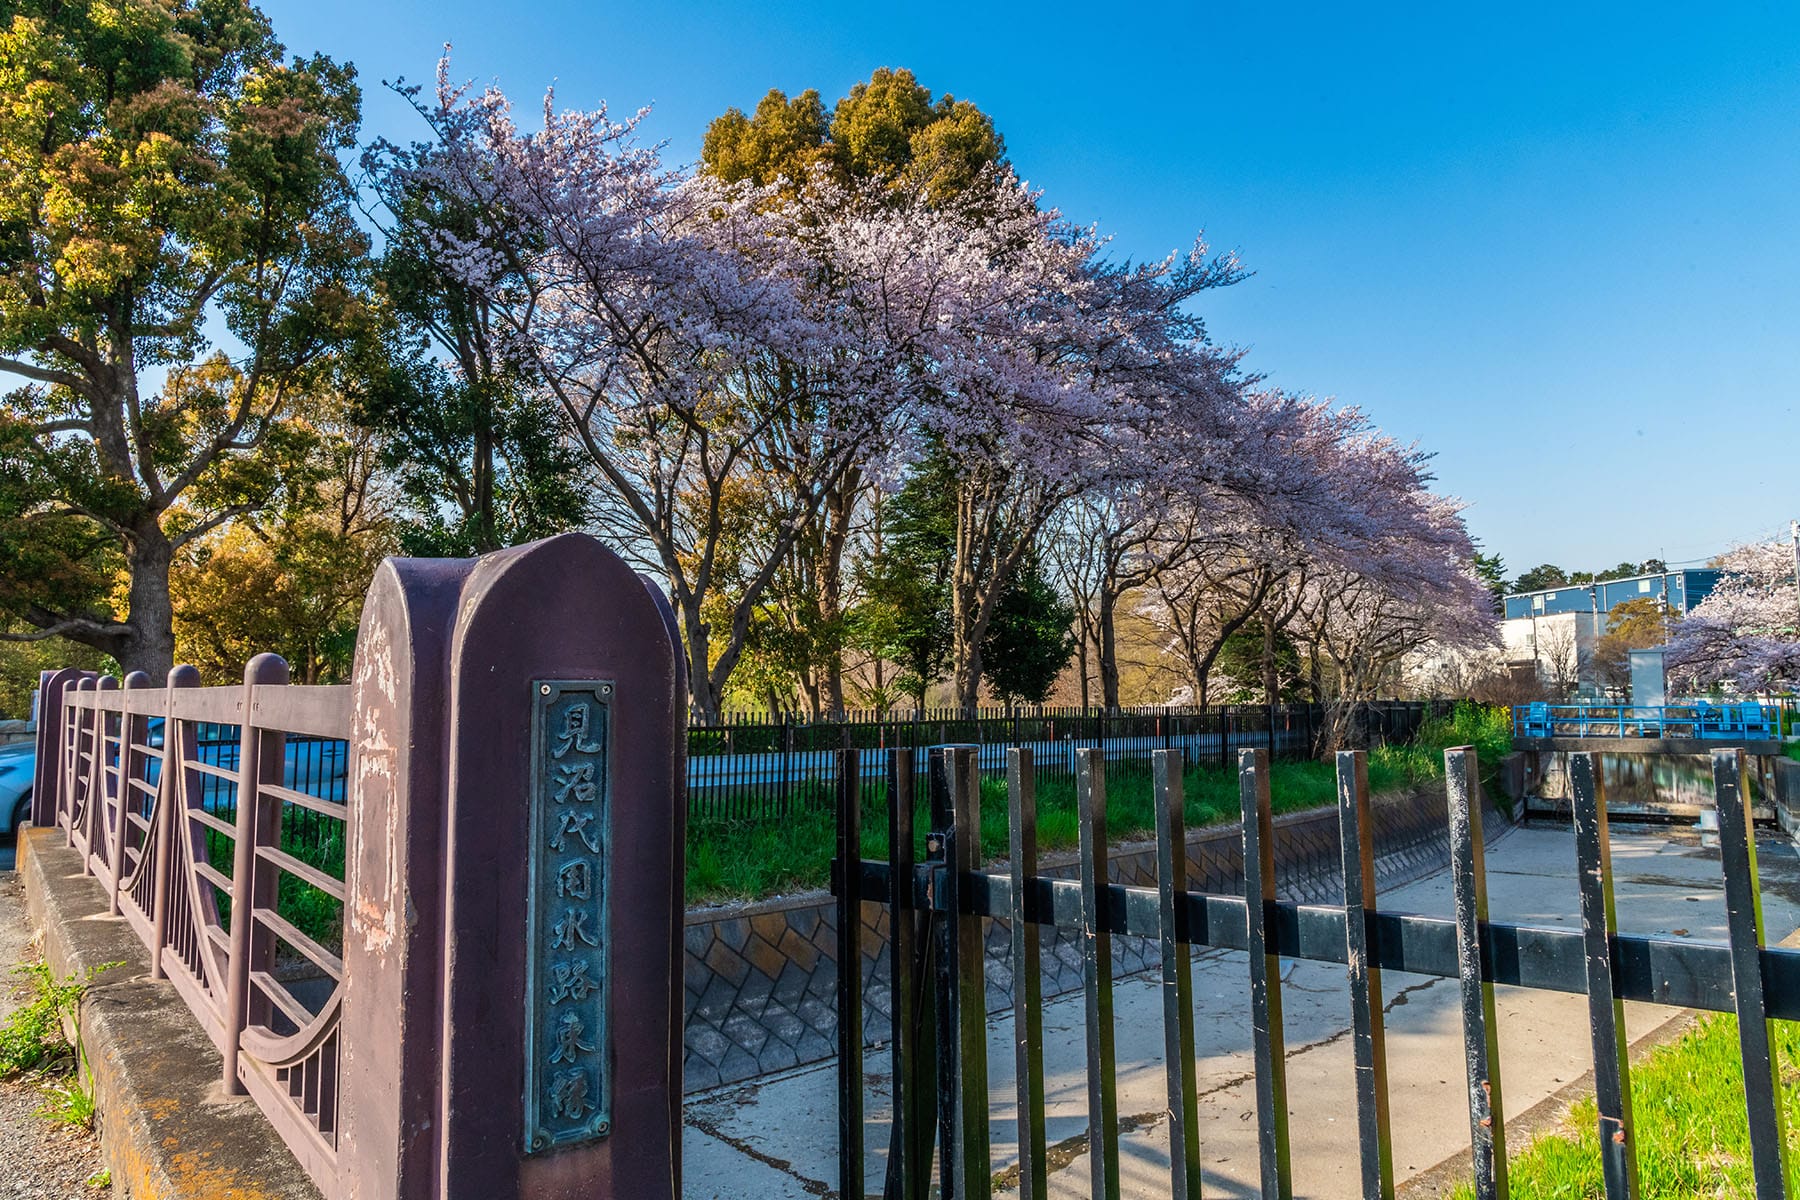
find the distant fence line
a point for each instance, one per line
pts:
(756, 766)
(750, 766)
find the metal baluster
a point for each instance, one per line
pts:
(962, 1016)
(909, 1148)
(1177, 978)
(1097, 977)
(1027, 975)
(1265, 974)
(1744, 928)
(1606, 1012)
(849, 974)
(1481, 1045)
(1368, 1033)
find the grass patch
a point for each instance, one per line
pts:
(1693, 1139)
(746, 860)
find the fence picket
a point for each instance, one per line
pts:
(849, 975)
(962, 991)
(1027, 976)
(1481, 1047)
(1177, 980)
(909, 1145)
(1367, 1024)
(1273, 1160)
(1606, 1012)
(1744, 930)
(1097, 976)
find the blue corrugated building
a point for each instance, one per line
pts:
(1680, 590)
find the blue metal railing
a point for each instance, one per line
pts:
(1697, 721)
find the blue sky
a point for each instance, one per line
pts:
(1561, 249)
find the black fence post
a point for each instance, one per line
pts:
(1028, 980)
(849, 972)
(1177, 979)
(1265, 975)
(1367, 1020)
(785, 757)
(1606, 1012)
(1097, 978)
(962, 997)
(1481, 1043)
(1744, 929)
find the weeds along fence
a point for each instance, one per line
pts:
(755, 766)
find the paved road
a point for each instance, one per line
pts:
(776, 1139)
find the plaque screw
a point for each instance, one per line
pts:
(604, 1128)
(606, 689)
(543, 689)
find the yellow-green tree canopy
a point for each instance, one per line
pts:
(178, 261)
(888, 127)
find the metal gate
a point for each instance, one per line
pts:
(939, 1135)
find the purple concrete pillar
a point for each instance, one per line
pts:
(512, 962)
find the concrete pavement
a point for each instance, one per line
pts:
(777, 1139)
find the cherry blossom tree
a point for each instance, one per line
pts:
(676, 320)
(1746, 633)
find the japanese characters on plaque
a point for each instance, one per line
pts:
(568, 1038)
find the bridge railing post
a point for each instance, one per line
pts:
(512, 957)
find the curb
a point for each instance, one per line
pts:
(167, 1129)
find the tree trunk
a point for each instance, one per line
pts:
(150, 645)
(696, 636)
(839, 508)
(1271, 684)
(1109, 651)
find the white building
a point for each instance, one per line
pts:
(1561, 644)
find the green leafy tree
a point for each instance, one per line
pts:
(1491, 568)
(173, 209)
(904, 617)
(1540, 577)
(480, 455)
(290, 579)
(888, 127)
(1030, 639)
(1636, 624)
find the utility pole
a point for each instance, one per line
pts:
(1794, 532)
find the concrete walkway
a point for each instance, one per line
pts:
(777, 1138)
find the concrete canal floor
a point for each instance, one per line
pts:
(776, 1138)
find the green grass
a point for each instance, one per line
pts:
(745, 860)
(317, 842)
(1692, 1136)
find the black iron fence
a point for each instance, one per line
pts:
(751, 766)
(939, 1042)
